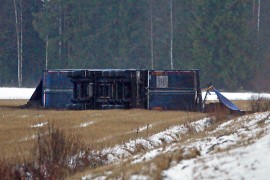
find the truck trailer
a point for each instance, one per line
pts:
(119, 89)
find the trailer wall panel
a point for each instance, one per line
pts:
(121, 88)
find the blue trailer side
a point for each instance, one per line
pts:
(120, 88)
(174, 90)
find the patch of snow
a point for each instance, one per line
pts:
(94, 115)
(245, 162)
(139, 177)
(201, 124)
(147, 156)
(40, 124)
(34, 136)
(90, 177)
(85, 124)
(210, 144)
(226, 124)
(105, 138)
(26, 93)
(251, 162)
(237, 96)
(140, 129)
(127, 149)
(28, 138)
(16, 93)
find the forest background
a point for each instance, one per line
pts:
(228, 41)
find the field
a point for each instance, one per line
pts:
(98, 128)
(110, 133)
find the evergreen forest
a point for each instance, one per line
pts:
(228, 41)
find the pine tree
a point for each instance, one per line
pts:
(8, 51)
(218, 27)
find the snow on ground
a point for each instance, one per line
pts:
(26, 93)
(16, 93)
(40, 124)
(85, 124)
(247, 160)
(250, 162)
(236, 96)
(33, 136)
(140, 129)
(125, 150)
(121, 151)
(95, 115)
(139, 177)
(236, 149)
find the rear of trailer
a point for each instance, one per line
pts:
(55, 90)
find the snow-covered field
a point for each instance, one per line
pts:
(26, 93)
(247, 155)
(16, 93)
(248, 162)
(237, 96)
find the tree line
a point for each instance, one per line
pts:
(226, 40)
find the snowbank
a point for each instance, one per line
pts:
(251, 162)
(244, 162)
(16, 93)
(26, 93)
(236, 96)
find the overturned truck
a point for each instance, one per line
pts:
(119, 89)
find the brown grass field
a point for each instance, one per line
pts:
(102, 128)
(19, 127)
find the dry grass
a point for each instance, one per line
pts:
(97, 129)
(56, 155)
(259, 104)
(241, 104)
(108, 128)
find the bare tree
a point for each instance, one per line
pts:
(171, 44)
(18, 26)
(21, 41)
(161, 33)
(254, 9)
(258, 25)
(46, 55)
(60, 30)
(151, 34)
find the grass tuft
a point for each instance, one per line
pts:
(259, 104)
(56, 155)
